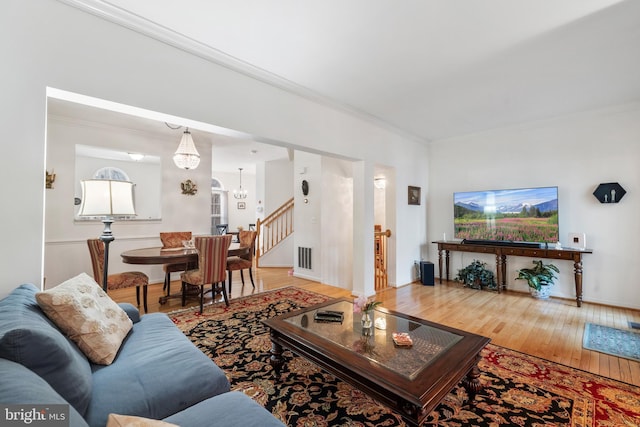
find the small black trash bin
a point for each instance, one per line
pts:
(426, 273)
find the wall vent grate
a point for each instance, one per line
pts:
(304, 258)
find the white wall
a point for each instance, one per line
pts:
(336, 221)
(277, 181)
(379, 208)
(306, 216)
(65, 238)
(407, 222)
(56, 45)
(575, 153)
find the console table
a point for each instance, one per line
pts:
(502, 251)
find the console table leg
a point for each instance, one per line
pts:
(440, 264)
(504, 272)
(500, 272)
(447, 262)
(471, 382)
(577, 268)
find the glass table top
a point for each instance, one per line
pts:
(376, 343)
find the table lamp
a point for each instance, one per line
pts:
(107, 199)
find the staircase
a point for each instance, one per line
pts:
(274, 229)
(279, 225)
(380, 251)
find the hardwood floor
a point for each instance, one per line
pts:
(549, 329)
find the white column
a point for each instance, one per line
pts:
(363, 221)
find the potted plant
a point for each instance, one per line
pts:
(540, 278)
(476, 276)
(365, 306)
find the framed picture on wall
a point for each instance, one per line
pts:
(241, 205)
(414, 195)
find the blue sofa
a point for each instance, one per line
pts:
(158, 373)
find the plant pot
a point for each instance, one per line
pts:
(543, 293)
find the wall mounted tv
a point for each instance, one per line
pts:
(518, 215)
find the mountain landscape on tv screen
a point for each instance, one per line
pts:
(528, 215)
(550, 205)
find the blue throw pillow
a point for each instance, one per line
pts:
(28, 337)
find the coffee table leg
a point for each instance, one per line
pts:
(276, 359)
(472, 383)
(412, 413)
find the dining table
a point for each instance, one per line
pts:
(183, 255)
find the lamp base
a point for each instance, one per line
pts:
(106, 237)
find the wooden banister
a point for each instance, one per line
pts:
(273, 229)
(380, 253)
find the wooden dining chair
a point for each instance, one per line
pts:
(172, 240)
(245, 261)
(126, 279)
(212, 267)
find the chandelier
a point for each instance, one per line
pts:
(240, 194)
(186, 156)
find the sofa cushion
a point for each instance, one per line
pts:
(116, 420)
(157, 373)
(28, 337)
(131, 310)
(22, 386)
(229, 409)
(88, 316)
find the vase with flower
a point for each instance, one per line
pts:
(365, 306)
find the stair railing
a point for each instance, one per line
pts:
(380, 251)
(274, 229)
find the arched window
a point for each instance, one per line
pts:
(109, 172)
(219, 210)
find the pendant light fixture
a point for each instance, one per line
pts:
(240, 194)
(186, 156)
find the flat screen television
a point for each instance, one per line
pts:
(517, 215)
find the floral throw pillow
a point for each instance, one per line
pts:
(86, 314)
(116, 420)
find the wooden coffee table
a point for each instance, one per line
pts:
(410, 380)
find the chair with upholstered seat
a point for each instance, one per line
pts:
(174, 240)
(212, 267)
(245, 261)
(126, 279)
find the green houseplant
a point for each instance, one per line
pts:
(476, 276)
(540, 278)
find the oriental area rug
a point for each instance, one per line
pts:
(520, 390)
(614, 341)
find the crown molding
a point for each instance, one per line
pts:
(141, 25)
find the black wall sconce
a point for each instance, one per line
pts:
(610, 192)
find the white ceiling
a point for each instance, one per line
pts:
(429, 68)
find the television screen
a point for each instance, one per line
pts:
(519, 215)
